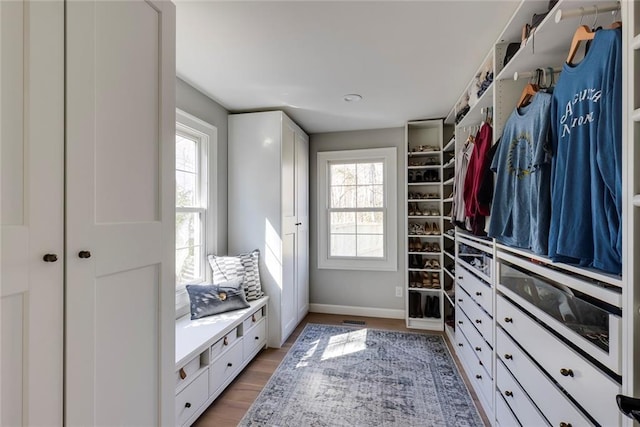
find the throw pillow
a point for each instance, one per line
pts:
(244, 265)
(207, 300)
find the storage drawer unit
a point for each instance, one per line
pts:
(254, 339)
(479, 318)
(478, 289)
(587, 384)
(253, 320)
(225, 367)
(504, 416)
(519, 402)
(223, 344)
(555, 406)
(478, 345)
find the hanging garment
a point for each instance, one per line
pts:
(586, 222)
(485, 191)
(520, 212)
(474, 210)
(462, 164)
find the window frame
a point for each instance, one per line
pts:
(388, 156)
(191, 127)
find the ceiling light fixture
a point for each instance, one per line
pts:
(352, 97)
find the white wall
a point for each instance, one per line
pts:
(192, 101)
(361, 289)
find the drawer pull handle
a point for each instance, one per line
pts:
(459, 299)
(479, 376)
(563, 424)
(478, 321)
(84, 254)
(225, 341)
(460, 344)
(508, 319)
(478, 293)
(50, 258)
(229, 364)
(478, 349)
(253, 318)
(187, 405)
(257, 338)
(459, 277)
(508, 356)
(183, 374)
(566, 372)
(460, 322)
(508, 393)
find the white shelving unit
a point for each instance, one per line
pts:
(547, 399)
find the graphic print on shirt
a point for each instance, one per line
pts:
(568, 121)
(520, 154)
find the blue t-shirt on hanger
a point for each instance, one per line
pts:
(521, 205)
(586, 187)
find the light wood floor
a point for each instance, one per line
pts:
(229, 408)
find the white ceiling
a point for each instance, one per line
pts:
(409, 60)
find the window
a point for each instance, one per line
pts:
(357, 209)
(195, 189)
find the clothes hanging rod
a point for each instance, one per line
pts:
(583, 11)
(529, 74)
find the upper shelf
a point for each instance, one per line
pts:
(549, 45)
(475, 115)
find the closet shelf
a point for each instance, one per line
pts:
(475, 115)
(542, 49)
(447, 218)
(449, 164)
(424, 217)
(448, 297)
(423, 153)
(424, 183)
(449, 274)
(450, 145)
(452, 238)
(447, 200)
(636, 200)
(449, 255)
(635, 43)
(449, 181)
(635, 116)
(424, 167)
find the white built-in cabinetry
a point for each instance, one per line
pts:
(545, 343)
(269, 210)
(211, 352)
(88, 127)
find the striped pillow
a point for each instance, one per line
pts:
(244, 266)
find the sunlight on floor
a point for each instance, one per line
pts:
(343, 344)
(308, 355)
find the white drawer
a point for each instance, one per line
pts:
(479, 318)
(254, 339)
(504, 416)
(189, 400)
(185, 374)
(478, 376)
(225, 367)
(479, 290)
(224, 343)
(253, 319)
(478, 344)
(517, 399)
(551, 401)
(589, 386)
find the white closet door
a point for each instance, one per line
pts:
(31, 214)
(289, 219)
(302, 230)
(120, 213)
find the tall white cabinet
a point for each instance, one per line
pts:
(269, 211)
(87, 152)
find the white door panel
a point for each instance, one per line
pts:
(120, 132)
(32, 146)
(302, 230)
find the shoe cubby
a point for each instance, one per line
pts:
(425, 175)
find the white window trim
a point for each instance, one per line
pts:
(390, 261)
(208, 134)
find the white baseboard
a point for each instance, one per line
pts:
(385, 313)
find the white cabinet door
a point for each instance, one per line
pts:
(288, 302)
(302, 229)
(120, 216)
(31, 215)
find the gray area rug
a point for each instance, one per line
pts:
(344, 376)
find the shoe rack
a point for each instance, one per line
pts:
(427, 186)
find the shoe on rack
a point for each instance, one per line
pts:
(436, 247)
(426, 280)
(435, 229)
(426, 247)
(428, 306)
(435, 263)
(435, 280)
(436, 307)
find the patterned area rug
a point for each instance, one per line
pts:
(343, 376)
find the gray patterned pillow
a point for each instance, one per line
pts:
(207, 300)
(245, 266)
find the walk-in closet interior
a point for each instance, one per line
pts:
(509, 228)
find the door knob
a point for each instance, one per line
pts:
(84, 254)
(50, 258)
